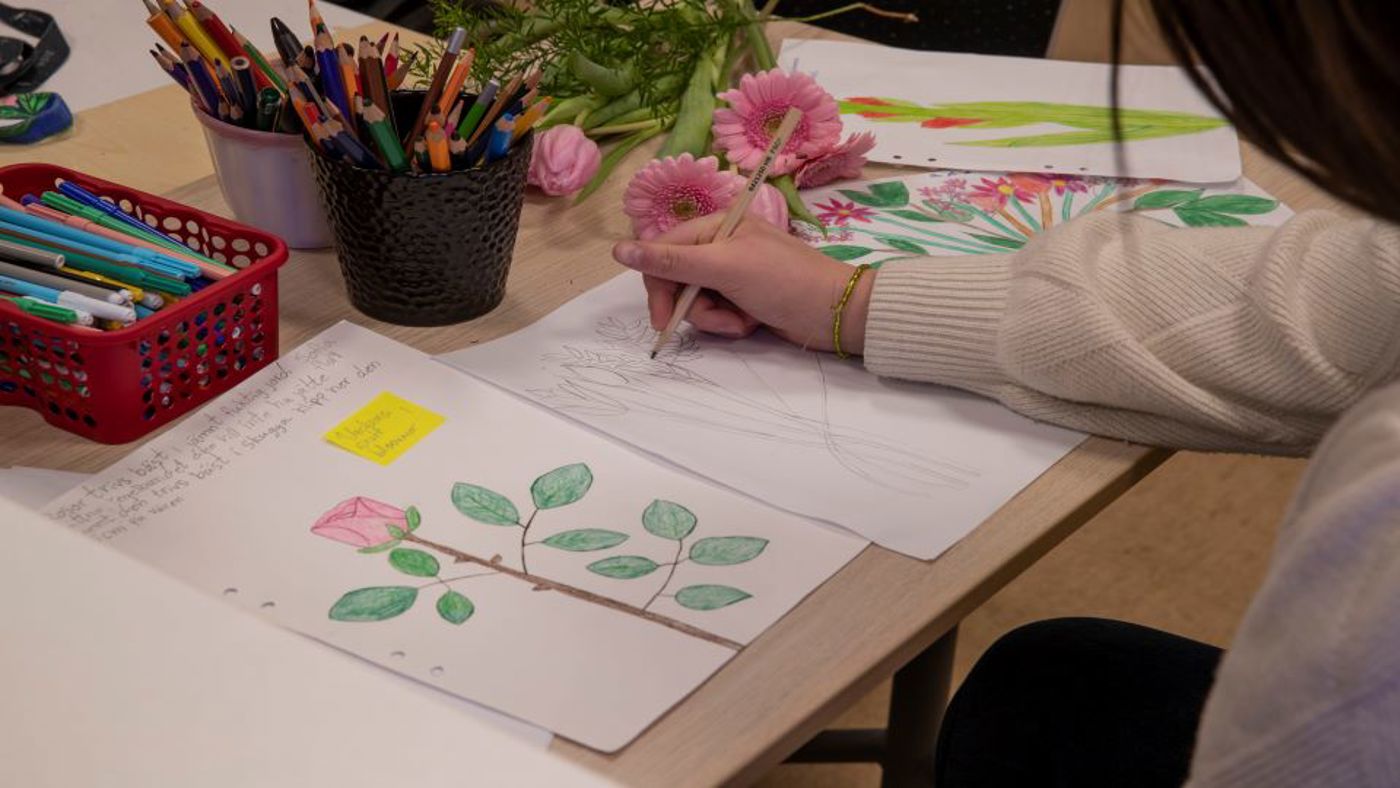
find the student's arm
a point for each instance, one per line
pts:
(1309, 692)
(1222, 338)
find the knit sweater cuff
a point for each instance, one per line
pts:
(936, 320)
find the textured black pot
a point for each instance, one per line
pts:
(430, 249)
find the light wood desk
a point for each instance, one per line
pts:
(854, 632)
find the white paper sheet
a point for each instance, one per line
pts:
(115, 675)
(109, 40)
(955, 212)
(951, 100)
(227, 500)
(912, 467)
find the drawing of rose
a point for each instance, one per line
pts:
(361, 522)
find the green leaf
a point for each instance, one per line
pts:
(902, 244)
(454, 608)
(413, 562)
(380, 548)
(583, 540)
(726, 550)
(914, 216)
(845, 252)
(997, 240)
(623, 567)
(484, 505)
(413, 517)
(373, 604)
(395, 531)
(1166, 198)
(709, 597)
(12, 113)
(668, 520)
(1236, 204)
(948, 213)
(881, 195)
(1192, 217)
(561, 486)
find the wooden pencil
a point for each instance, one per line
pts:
(503, 98)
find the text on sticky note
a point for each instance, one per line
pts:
(385, 428)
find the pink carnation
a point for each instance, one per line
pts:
(676, 189)
(564, 160)
(842, 161)
(361, 522)
(757, 107)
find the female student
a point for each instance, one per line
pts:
(1233, 339)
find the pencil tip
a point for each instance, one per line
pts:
(653, 354)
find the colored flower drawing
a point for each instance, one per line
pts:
(840, 213)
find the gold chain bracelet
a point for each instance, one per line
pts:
(840, 309)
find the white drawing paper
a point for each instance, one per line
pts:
(984, 112)
(910, 466)
(33, 488)
(641, 581)
(950, 212)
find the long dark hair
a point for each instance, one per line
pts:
(1313, 83)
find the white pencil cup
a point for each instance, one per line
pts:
(267, 180)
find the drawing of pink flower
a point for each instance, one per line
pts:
(361, 522)
(990, 195)
(841, 213)
(1067, 183)
(756, 108)
(842, 161)
(676, 189)
(1031, 183)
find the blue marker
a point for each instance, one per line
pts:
(41, 226)
(74, 301)
(149, 261)
(75, 192)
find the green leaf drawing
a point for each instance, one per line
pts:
(881, 195)
(668, 520)
(412, 516)
(584, 540)
(395, 531)
(998, 240)
(373, 604)
(623, 567)
(380, 548)
(1166, 198)
(709, 597)
(726, 550)
(561, 486)
(948, 213)
(845, 252)
(902, 244)
(413, 562)
(915, 216)
(483, 505)
(1235, 204)
(454, 608)
(1193, 217)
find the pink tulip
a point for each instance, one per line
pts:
(361, 522)
(564, 160)
(770, 204)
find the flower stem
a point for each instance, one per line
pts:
(901, 16)
(525, 531)
(680, 545)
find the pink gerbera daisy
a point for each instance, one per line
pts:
(842, 161)
(990, 195)
(841, 213)
(676, 189)
(757, 107)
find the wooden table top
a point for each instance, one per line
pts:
(852, 633)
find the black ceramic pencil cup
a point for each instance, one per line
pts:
(430, 249)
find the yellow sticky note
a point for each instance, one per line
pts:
(385, 428)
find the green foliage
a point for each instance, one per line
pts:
(709, 597)
(881, 195)
(726, 550)
(412, 516)
(380, 548)
(1165, 198)
(483, 505)
(1217, 210)
(623, 567)
(845, 252)
(413, 562)
(561, 486)
(1235, 204)
(999, 240)
(373, 604)
(901, 243)
(668, 520)
(1194, 218)
(454, 608)
(916, 216)
(585, 540)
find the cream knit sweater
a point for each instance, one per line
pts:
(1248, 339)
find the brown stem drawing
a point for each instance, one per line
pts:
(1017, 223)
(525, 531)
(680, 545)
(1046, 219)
(545, 584)
(1127, 195)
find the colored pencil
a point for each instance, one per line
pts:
(216, 29)
(467, 128)
(438, 155)
(383, 136)
(161, 23)
(195, 34)
(260, 61)
(440, 77)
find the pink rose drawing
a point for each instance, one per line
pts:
(361, 522)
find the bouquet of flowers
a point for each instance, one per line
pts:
(622, 74)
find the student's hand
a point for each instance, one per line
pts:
(759, 276)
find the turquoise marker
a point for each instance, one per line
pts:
(69, 299)
(38, 224)
(68, 247)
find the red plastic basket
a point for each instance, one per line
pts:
(117, 386)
